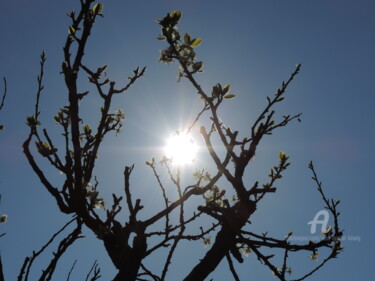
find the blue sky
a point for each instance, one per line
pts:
(253, 45)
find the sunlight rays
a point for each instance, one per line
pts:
(181, 149)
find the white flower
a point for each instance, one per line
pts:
(206, 242)
(328, 231)
(314, 257)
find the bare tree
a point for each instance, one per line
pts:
(129, 244)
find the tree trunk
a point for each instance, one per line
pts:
(129, 261)
(225, 239)
(223, 243)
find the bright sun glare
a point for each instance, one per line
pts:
(181, 148)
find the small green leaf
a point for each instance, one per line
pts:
(187, 39)
(226, 89)
(198, 66)
(195, 42)
(229, 96)
(176, 15)
(31, 121)
(160, 37)
(71, 30)
(44, 149)
(282, 155)
(2, 127)
(86, 129)
(97, 9)
(216, 90)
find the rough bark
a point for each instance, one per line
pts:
(233, 221)
(126, 259)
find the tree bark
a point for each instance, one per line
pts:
(128, 260)
(232, 224)
(213, 257)
(1, 271)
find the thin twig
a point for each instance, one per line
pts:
(231, 267)
(71, 269)
(5, 93)
(29, 260)
(94, 269)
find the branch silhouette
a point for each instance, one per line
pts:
(130, 243)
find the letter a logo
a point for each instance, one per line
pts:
(316, 221)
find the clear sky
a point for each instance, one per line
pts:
(253, 45)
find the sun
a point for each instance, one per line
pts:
(181, 148)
